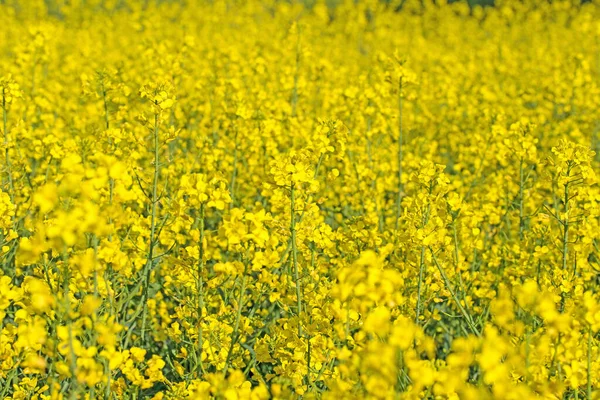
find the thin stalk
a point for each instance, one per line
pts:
(521, 194)
(308, 361)
(235, 334)
(421, 266)
(539, 266)
(200, 288)
(72, 356)
(309, 383)
(108, 374)
(589, 363)
(400, 384)
(234, 172)
(399, 156)
(420, 284)
(6, 153)
(565, 224)
(106, 121)
(456, 264)
(288, 248)
(111, 180)
(294, 98)
(295, 258)
(527, 353)
(456, 251)
(464, 312)
(149, 261)
(553, 367)
(8, 382)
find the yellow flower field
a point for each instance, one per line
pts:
(339, 199)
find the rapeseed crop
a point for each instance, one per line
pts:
(283, 199)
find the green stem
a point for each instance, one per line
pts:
(420, 283)
(421, 266)
(6, 152)
(200, 287)
(308, 361)
(521, 194)
(527, 353)
(235, 334)
(294, 99)
(234, 172)
(565, 223)
(152, 242)
(111, 180)
(295, 258)
(589, 363)
(67, 300)
(106, 121)
(464, 312)
(399, 156)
